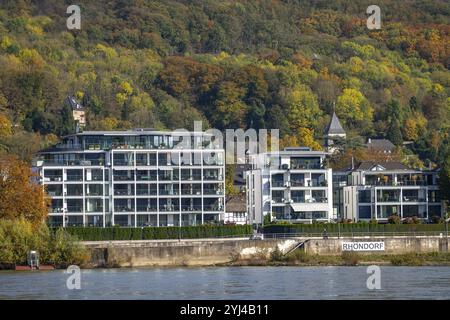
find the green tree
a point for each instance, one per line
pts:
(395, 134)
(444, 179)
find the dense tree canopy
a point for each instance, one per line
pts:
(230, 64)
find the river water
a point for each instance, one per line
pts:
(230, 283)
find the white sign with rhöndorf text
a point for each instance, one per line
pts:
(363, 246)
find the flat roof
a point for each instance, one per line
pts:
(137, 132)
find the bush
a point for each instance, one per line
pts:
(350, 258)
(407, 259)
(394, 219)
(18, 237)
(153, 233)
(437, 219)
(276, 255)
(411, 220)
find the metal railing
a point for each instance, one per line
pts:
(356, 234)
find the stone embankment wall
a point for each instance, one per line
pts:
(204, 252)
(186, 252)
(392, 245)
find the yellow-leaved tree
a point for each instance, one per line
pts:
(20, 197)
(304, 137)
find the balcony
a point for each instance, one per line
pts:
(168, 208)
(163, 192)
(149, 208)
(54, 193)
(388, 198)
(94, 193)
(316, 183)
(298, 199)
(191, 208)
(212, 177)
(123, 178)
(297, 183)
(74, 177)
(212, 207)
(123, 209)
(413, 199)
(277, 184)
(123, 193)
(146, 192)
(212, 192)
(52, 178)
(74, 209)
(277, 200)
(146, 177)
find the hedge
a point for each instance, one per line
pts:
(351, 227)
(149, 233)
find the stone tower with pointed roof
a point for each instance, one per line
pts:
(334, 132)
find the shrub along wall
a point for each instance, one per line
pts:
(149, 233)
(351, 227)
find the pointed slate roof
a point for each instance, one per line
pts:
(335, 126)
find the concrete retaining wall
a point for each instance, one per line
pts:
(185, 252)
(392, 245)
(211, 251)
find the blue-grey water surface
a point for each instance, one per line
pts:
(230, 283)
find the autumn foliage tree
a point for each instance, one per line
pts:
(20, 197)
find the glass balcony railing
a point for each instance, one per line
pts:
(277, 200)
(191, 192)
(276, 184)
(52, 178)
(212, 207)
(123, 209)
(74, 209)
(191, 208)
(297, 183)
(149, 208)
(168, 192)
(413, 199)
(212, 191)
(316, 183)
(124, 178)
(388, 199)
(212, 177)
(71, 177)
(123, 193)
(54, 193)
(168, 207)
(143, 192)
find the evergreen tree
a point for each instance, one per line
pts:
(68, 124)
(394, 133)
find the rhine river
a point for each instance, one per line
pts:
(230, 283)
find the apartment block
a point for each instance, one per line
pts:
(291, 185)
(375, 190)
(139, 177)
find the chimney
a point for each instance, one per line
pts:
(369, 140)
(353, 163)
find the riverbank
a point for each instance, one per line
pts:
(301, 258)
(408, 251)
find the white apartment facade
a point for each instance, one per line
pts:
(134, 178)
(379, 190)
(292, 185)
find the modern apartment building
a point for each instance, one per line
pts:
(139, 177)
(378, 190)
(291, 185)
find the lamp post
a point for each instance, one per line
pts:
(446, 227)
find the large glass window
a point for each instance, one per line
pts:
(365, 212)
(364, 196)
